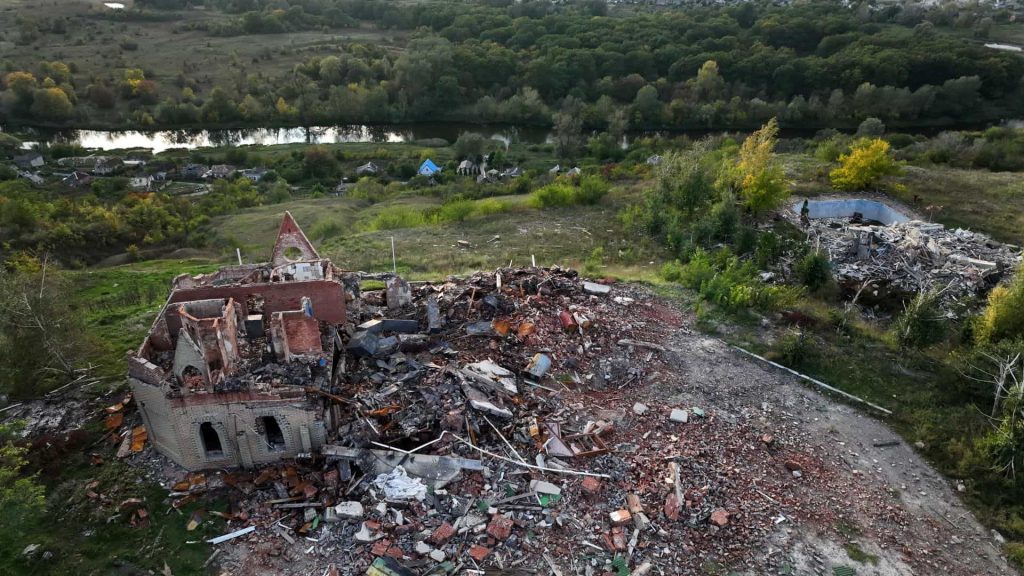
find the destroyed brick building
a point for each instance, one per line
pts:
(514, 421)
(883, 257)
(221, 378)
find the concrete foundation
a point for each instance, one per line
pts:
(845, 208)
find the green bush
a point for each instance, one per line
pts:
(593, 263)
(795, 350)
(489, 206)
(922, 322)
(553, 195)
(728, 282)
(325, 229)
(455, 210)
(1003, 318)
(562, 193)
(396, 217)
(814, 271)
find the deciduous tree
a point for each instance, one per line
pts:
(868, 162)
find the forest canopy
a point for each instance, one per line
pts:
(817, 64)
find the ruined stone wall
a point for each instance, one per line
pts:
(294, 333)
(326, 296)
(174, 423)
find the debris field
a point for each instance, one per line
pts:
(530, 422)
(903, 259)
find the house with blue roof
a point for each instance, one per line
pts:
(428, 168)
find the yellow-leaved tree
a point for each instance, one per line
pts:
(762, 184)
(1003, 318)
(868, 162)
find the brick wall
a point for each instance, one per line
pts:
(173, 425)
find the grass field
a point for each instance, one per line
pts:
(566, 236)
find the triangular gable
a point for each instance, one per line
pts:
(428, 167)
(291, 236)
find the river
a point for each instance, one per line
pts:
(160, 140)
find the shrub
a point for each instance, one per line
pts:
(814, 271)
(794, 350)
(591, 190)
(871, 128)
(1003, 318)
(594, 262)
(325, 229)
(922, 322)
(396, 217)
(489, 206)
(728, 282)
(561, 193)
(455, 210)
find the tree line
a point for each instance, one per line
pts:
(817, 64)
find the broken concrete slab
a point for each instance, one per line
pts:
(492, 376)
(596, 289)
(543, 487)
(434, 322)
(349, 510)
(364, 343)
(679, 415)
(479, 401)
(434, 470)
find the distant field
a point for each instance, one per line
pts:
(94, 44)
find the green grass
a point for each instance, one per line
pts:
(89, 537)
(989, 202)
(120, 303)
(254, 229)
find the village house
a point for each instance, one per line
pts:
(254, 174)
(219, 171)
(77, 179)
(467, 167)
(32, 177)
(141, 183)
(107, 165)
(234, 370)
(194, 171)
(428, 168)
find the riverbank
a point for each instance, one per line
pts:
(193, 137)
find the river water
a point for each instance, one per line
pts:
(160, 140)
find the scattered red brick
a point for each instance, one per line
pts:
(620, 517)
(591, 486)
(672, 507)
(720, 517)
(441, 535)
(500, 527)
(380, 547)
(478, 552)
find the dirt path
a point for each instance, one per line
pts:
(885, 501)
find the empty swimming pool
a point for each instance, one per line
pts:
(845, 208)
